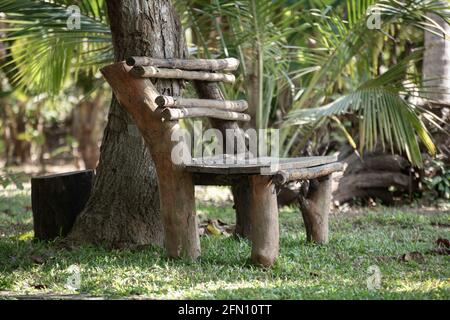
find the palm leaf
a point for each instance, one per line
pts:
(57, 51)
(383, 114)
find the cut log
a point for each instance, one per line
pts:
(171, 114)
(373, 177)
(370, 184)
(56, 201)
(264, 221)
(228, 64)
(163, 73)
(176, 186)
(315, 208)
(285, 176)
(177, 102)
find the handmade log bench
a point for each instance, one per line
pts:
(157, 118)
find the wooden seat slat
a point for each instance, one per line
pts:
(227, 164)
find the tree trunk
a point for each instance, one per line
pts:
(88, 123)
(436, 73)
(123, 209)
(436, 63)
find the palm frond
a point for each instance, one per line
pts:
(384, 115)
(43, 50)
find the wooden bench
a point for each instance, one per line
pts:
(157, 118)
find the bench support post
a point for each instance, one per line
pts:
(177, 201)
(264, 221)
(242, 197)
(315, 209)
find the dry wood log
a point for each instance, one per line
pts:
(228, 64)
(152, 72)
(372, 177)
(264, 221)
(284, 176)
(178, 102)
(315, 208)
(176, 187)
(171, 114)
(370, 184)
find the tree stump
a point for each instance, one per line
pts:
(315, 207)
(57, 200)
(264, 221)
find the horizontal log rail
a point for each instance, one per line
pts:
(164, 73)
(228, 64)
(171, 114)
(285, 176)
(178, 102)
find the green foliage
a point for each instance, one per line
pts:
(439, 179)
(296, 56)
(11, 178)
(258, 32)
(57, 50)
(323, 54)
(348, 55)
(383, 114)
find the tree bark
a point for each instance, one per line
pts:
(436, 73)
(436, 63)
(88, 123)
(123, 209)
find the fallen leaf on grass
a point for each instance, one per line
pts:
(215, 227)
(212, 229)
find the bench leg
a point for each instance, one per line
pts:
(264, 221)
(177, 200)
(242, 197)
(315, 209)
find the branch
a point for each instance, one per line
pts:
(229, 64)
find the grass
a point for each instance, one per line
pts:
(338, 270)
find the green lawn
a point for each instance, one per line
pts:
(338, 270)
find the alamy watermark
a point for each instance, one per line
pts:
(373, 18)
(374, 278)
(73, 281)
(73, 22)
(237, 146)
